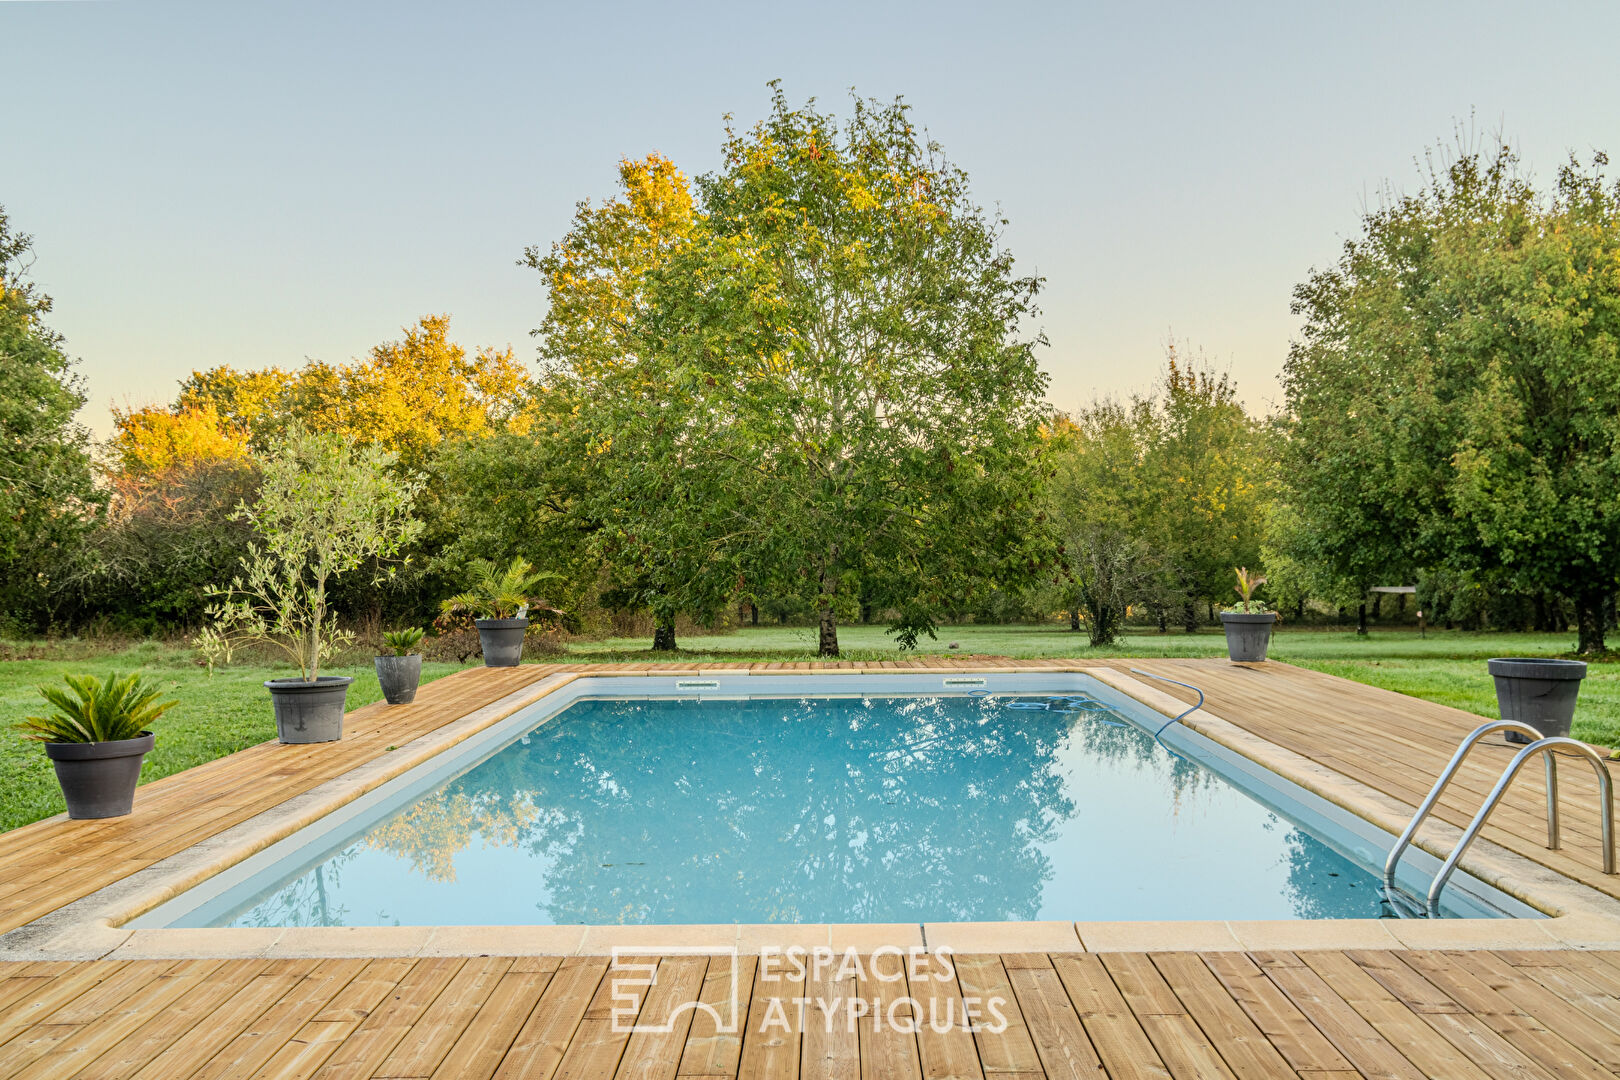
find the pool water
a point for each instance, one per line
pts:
(822, 809)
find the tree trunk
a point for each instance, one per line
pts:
(1589, 610)
(1164, 622)
(1189, 617)
(1378, 605)
(1212, 614)
(1074, 618)
(1299, 610)
(866, 612)
(664, 636)
(1104, 619)
(1542, 619)
(1361, 620)
(753, 614)
(828, 643)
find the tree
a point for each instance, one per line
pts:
(1455, 396)
(616, 468)
(47, 492)
(1098, 508)
(836, 359)
(1210, 465)
(325, 507)
(151, 441)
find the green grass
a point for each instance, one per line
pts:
(217, 715)
(223, 713)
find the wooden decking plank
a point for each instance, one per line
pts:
(656, 1055)
(944, 1036)
(1060, 1040)
(479, 1050)
(309, 1047)
(1552, 1052)
(709, 1051)
(1371, 1054)
(1475, 1038)
(1010, 1050)
(376, 1036)
(772, 1032)
(542, 1041)
(1570, 982)
(888, 1040)
(430, 1038)
(133, 1051)
(1246, 1050)
(1181, 1044)
(831, 1047)
(1304, 1047)
(1126, 1051)
(244, 1055)
(599, 1042)
(34, 1025)
(1584, 1030)
(190, 1051)
(104, 1017)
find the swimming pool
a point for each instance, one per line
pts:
(808, 799)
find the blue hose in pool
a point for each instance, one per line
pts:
(1179, 716)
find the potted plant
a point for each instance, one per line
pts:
(325, 506)
(1536, 691)
(499, 602)
(1248, 624)
(97, 739)
(401, 673)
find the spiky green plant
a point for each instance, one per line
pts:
(404, 641)
(93, 710)
(1246, 584)
(497, 593)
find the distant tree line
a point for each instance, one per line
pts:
(805, 388)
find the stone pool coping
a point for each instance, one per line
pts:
(91, 927)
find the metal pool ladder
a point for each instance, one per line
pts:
(1543, 746)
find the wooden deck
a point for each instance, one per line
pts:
(1306, 1016)
(1320, 1015)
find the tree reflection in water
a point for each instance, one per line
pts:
(779, 810)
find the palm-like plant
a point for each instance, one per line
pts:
(403, 641)
(497, 593)
(1246, 584)
(96, 710)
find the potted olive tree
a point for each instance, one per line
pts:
(325, 506)
(400, 673)
(1247, 623)
(97, 738)
(499, 603)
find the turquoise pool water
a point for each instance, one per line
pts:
(842, 809)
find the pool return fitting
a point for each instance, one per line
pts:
(1547, 748)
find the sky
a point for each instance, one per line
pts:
(257, 184)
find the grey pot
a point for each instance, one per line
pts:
(399, 676)
(1248, 635)
(502, 640)
(98, 779)
(309, 712)
(1537, 692)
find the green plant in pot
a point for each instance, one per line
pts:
(400, 672)
(1247, 623)
(500, 602)
(326, 506)
(96, 738)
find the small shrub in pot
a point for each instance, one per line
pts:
(325, 506)
(400, 672)
(97, 738)
(1247, 623)
(499, 601)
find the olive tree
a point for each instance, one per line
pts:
(324, 507)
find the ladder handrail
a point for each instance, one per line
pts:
(1446, 774)
(1541, 746)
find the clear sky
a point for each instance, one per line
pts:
(255, 184)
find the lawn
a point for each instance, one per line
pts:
(217, 715)
(229, 710)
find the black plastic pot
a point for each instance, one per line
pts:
(399, 676)
(1537, 692)
(309, 712)
(1248, 635)
(502, 640)
(98, 779)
